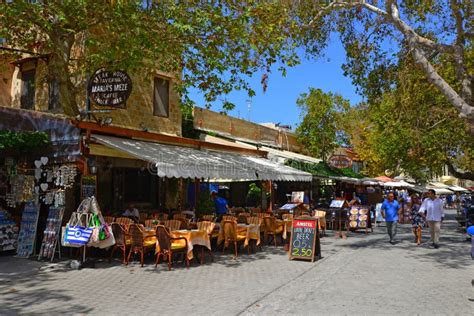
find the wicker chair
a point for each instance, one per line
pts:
(229, 218)
(208, 227)
(254, 220)
(170, 246)
(179, 216)
(173, 224)
(271, 228)
(138, 242)
(231, 236)
(162, 216)
(242, 218)
(124, 221)
(143, 217)
(109, 219)
(322, 220)
(210, 218)
(120, 241)
(151, 222)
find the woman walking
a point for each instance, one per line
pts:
(418, 219)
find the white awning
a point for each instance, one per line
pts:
(185, 162)
(285, 155)
(398, 184)
(457, 188)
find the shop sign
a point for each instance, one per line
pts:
(340, 161)
(109, 88)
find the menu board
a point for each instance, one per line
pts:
(338, 203)
(304, 243)
(28, 227)
(297, 197)
(52, 232)
(359, 217)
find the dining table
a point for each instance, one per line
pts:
(251, 232)
(193, 237)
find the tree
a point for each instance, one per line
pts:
(427, 28)
(322, 114)
(420, 140)
(208, 45)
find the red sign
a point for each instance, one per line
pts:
(304, 224)
(340, 161)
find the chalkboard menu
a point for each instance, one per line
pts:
(29, 224)
(304, 243)
(51, 233)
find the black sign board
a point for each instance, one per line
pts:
(109, 88)
(304, 243)
(88, 186)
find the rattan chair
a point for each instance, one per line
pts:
(109, 219)
(173, 224)
(208, 227)
(210, 218)
(120, 241)
(229, 218)
(170, 246)
(271, 228)
(143, 217)
(162, 216)
(138, 242)
(124, 221)
(254, 220)
(179, 216)
(151, 222)
(231, 235)
(242, 218)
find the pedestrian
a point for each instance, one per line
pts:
(433, 208)
(418, 218)
(390, 211)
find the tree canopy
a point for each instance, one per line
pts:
(322, 115)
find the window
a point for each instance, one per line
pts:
(27, 99)
(161, 97)
(53, 97)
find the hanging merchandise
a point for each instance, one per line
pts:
(51, 233)
(8, 232)
(28, 227)
(65, 176)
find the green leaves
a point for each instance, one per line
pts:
(323, 114)
(23, 141)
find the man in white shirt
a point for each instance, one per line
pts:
(433, 207)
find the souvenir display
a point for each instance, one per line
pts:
(28, 227)
(65, 176)
(51, 233)
(8, 232)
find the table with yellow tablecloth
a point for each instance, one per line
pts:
(251, 232)
(193, 237)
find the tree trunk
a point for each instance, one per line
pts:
(468, 175)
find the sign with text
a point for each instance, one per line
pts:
(304, 243)
(110, 88)
(340, 161)
(338, 204)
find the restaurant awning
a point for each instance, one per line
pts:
(186, 162)
(285, 155)
(457, 188)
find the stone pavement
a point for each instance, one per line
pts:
(363, 274)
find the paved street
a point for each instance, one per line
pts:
(363, 274)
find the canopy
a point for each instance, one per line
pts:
(285, 155)
(457, 188)
(398, 184)
(185, 162)
(384, 179)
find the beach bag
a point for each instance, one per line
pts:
(76, 233)
(85, 206)
(102, 236)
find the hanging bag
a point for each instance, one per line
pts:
(76, 233)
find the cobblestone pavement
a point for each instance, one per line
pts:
(363, 274)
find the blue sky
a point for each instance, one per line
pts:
(278, 103)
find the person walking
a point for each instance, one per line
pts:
(417, 217)
(433, 208)
(390, 211)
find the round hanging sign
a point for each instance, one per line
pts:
(340, 161)
(109, 88)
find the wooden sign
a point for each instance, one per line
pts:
(304, 243)
(109, 88)
(340, 161)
